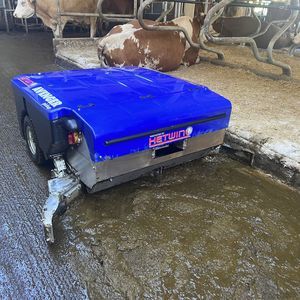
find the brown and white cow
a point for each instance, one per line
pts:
(131, 45)
(47, 11)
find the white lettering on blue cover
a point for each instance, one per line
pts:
(48, 97)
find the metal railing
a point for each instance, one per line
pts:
(8, 7)
(97, 14)
(200, 45)
(120, 18)
(269, 59)
(214, 13)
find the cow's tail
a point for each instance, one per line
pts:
(102, 57)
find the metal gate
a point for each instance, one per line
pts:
(214, 13)
(157, 10)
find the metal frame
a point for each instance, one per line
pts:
(63, 188)
(6, 11)
(214, 13)
(22, 23)
(211, 18)
(200, 45)
(117, 17)
(293, 49)
(98, 14)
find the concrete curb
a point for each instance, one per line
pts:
(264, 158)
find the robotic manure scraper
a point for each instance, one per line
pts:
(103, 127)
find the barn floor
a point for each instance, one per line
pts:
(210, 229)
(266, 114)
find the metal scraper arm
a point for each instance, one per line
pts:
(63, 188)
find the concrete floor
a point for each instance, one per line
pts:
(266, 114)
(151, 238)
(23, 250)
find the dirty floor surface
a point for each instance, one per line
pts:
(211, 228)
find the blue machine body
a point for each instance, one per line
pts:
(123, 111)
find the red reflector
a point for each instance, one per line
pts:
(74, 138)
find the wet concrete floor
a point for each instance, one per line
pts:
(209, 229)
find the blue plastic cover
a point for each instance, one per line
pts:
(125, 110)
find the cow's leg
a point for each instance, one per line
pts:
(52, 24)
(93, 27)
(59, 28)
(56, 32)
(101, 29)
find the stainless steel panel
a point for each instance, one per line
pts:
(91, 173)
(129, 163)
(79, 159)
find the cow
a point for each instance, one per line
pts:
(263, 40)
(131, 45)
(275, 12)
(236, 26)
(118, 6)
(278, 12)
(47, 11)
(246, 26)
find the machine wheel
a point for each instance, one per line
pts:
(35, 152)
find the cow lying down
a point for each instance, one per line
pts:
(263, 41)
(131, 45)
(246, 26)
